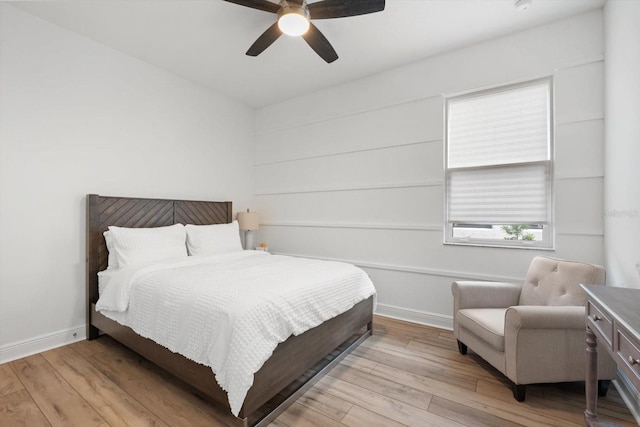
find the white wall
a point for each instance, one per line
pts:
(356, 172)
(622, 146)
(76, 118)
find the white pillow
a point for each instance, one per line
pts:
(213, 239)
(137, 245)
(112, 262)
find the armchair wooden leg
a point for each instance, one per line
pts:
(462, 348)
(519, 391)
(603, 386)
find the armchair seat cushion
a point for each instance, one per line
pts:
(486, 323)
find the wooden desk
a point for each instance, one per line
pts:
(613, 320)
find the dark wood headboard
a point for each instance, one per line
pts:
(137, 213)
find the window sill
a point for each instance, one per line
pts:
(502, 246)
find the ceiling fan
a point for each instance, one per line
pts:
(294, 19)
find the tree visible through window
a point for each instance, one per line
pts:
(498, 166)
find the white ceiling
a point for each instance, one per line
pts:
(205, 40)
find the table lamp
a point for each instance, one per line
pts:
(248, 222)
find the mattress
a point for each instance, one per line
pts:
(230, 311)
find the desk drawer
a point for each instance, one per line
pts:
(602, 322)
(628, 349)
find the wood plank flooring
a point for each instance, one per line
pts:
(404, 375)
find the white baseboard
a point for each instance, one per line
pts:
(415, 316)
(41, 343)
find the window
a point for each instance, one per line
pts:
(498, 166)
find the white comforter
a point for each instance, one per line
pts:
(230, 311)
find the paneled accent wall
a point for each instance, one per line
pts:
(355, 172)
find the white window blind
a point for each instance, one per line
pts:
(506, 195)
(510, 126)
(499, 156)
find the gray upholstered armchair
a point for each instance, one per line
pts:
(532, 332)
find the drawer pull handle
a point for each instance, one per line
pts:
(633, 361)
(596, 317)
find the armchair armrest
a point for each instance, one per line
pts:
(545, 317)
(471, 294)
(543, 343)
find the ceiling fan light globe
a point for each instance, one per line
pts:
(293, 24)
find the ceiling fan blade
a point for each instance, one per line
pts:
(320, 44)
(265, 5)
(265, 40)
(342, 8)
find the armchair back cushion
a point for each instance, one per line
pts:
(556, 282)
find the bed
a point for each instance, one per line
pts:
(295, 365)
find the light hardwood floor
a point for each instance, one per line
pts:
(404, 375)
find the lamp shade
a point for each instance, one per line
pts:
(248, 220)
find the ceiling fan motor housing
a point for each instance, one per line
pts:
(299, 9)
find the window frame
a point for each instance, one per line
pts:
(548, 229)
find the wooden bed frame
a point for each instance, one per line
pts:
(296, 364)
